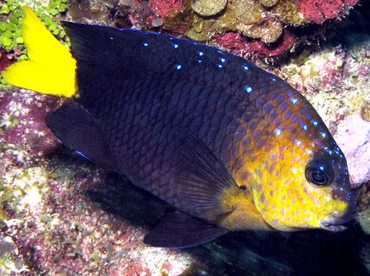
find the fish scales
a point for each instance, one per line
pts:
(230, 145)
(187, 99)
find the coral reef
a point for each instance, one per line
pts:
(261, 22)
(318, 11)
(357, 152)
(51, 222)
(262, 25)
(22, 123)
(208, 7)
(63, 215)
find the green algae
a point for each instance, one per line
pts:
(10, 27)
(11, 35)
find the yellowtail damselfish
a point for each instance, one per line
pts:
(231, 146)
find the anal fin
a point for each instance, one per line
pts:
(180, 230)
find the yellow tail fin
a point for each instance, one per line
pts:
(50, 68)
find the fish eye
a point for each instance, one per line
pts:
(319, 173)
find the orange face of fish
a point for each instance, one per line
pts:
(298, 174)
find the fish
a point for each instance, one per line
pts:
(232, 147)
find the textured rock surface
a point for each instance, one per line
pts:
(60, 214)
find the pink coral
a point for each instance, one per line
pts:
(356, 130)
(233, 41)
(266, 25)
(163, 7)
(237, 43)
(279, 48)
(318, 11)
(23, 121)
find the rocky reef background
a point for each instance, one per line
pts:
(62, 215)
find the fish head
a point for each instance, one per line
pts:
(301, 177)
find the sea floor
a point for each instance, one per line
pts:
(63, 215)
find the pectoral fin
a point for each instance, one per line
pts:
(201, 177)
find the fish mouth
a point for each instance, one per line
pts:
(334, 223)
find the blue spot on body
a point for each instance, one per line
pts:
(219, 66)
(294, 118)
(304, 110)
(200, 53)
(273, 79)
(83, 155)
(111, 38)
(145, 44)
(175, 45)
(328, 150)
(267, 107)
(315, 123)
(178, 66)
(261, 101)
(280, 99)
(338, 152)
(222, 59)
(256, 134)
(323, 134)
(278, 122)
(278, 132)
(290, 93)
(245, 66)
(283, 107)
(290, 128)
(248, 89)
(294, 100)
(305, 127)
(273, 95)
(273, 115)
(297, 142)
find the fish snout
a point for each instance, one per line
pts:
(337, 223)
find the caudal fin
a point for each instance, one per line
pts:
(50, 68)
